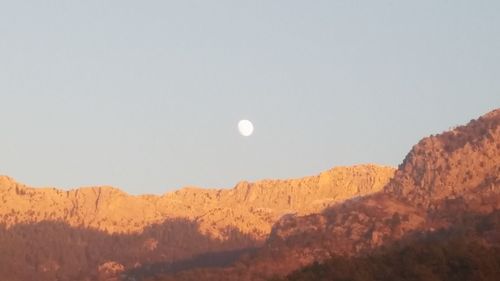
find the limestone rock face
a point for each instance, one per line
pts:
(347, 211)
(450, 164)
(48, 232)
(444, 181)
(251, 207)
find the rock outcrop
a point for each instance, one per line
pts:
(272, 226)
(444, 181)
(250, 207)
(451, 164)
(102, 231)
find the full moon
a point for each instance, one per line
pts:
(245, 127)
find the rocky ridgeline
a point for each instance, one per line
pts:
(251, 207)
(99, 232)
(442, 182)
(463, 160)
(443, 179)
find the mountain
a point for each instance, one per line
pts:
(447, 183)
(457, 253)
(463, 161)
(97, 233)
(446, 193)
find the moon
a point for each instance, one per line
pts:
(245, 127)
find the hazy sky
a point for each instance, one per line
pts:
(146, 95)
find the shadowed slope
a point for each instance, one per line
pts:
(467, 251)
(56, 251)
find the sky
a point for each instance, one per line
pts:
(146, 95)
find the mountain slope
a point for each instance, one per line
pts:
(99, 232)
(458, 253)
(463, 160)
(260, 203)
(443, 182)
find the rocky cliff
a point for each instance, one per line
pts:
(446, 180)
(463, 160)
(250, 207)
(98, 232)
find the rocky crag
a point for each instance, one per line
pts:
(96, 233)
(445, 181)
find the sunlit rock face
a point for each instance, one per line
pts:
(444, 182)
(73, 235)
(459, 161)
(443, 179)
(251, 207)
(277, 226)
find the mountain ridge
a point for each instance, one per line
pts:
(266, 229)
(192, 202)
(444, 181)
(99, 232)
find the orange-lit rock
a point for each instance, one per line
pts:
(47, 233)
(250, 207)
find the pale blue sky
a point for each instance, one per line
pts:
(146, 95)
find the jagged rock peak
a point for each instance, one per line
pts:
(465, 158)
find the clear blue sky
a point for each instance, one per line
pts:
(146, 95)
